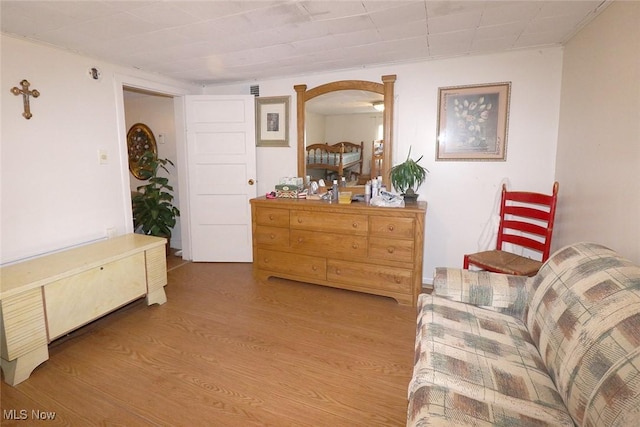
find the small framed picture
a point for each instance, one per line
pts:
(272, 121)
(473, 122)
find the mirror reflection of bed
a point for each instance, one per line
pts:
(352, 116)
(341, 129)
(336, 161)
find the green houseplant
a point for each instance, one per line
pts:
(407, 176)
(153, 210)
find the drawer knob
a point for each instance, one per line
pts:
(355, 225)
(355, 245)
(314, 267)
(299, 220)
(272, 236)
(300, 239)
(398, 279)
(271, 217)
(391, 249)
(338, 271)
(391, 227)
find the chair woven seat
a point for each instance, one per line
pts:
(505, 262)
(526, 221)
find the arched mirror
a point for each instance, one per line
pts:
(345, 130)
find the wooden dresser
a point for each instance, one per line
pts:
(349, 246)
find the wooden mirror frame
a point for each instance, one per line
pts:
(385, 88)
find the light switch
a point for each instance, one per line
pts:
(103, 157)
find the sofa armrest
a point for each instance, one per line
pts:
(498, 292)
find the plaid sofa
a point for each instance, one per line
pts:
(561, 348)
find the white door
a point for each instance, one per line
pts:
(221, 162)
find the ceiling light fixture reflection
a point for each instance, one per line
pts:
(378, 106)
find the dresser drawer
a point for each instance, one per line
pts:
(356, 246)
(297, 265)
(329, 222)
(370, 276)
(272, 236)
(272, 216)
(328, 244)
(391, 249)
(386, 226)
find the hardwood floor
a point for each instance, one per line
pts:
(226, 350)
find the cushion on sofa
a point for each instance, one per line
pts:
(584, 317)
(478, 367)
(498, 292)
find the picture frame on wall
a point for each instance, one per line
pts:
(140, 139)
(473, 122)
(272, 121)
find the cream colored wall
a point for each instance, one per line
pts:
(598, 159)
(316, 130)
(55, 194)
(461, 195)
(54, 191)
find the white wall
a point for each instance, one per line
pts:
(598, 159)
(315, 125)
(157, 112)
(54, 192)
(460, 194)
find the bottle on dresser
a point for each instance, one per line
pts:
(367, 192)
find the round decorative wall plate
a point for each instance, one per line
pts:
(140, 139)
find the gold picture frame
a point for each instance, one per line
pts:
(272, 121)
(473, 122)
(140, 139)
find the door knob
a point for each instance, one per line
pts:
(251, 182)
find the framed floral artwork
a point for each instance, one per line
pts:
(473, 122)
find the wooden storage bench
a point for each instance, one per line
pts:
(47, 297)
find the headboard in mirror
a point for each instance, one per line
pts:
(345, 154)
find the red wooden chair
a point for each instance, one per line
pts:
(526, 221)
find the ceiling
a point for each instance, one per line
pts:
(217, 42)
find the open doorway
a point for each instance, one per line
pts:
(156, 111)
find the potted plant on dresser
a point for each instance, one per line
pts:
(407, 176)
(153, 211)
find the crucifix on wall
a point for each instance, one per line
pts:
(26, 93)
